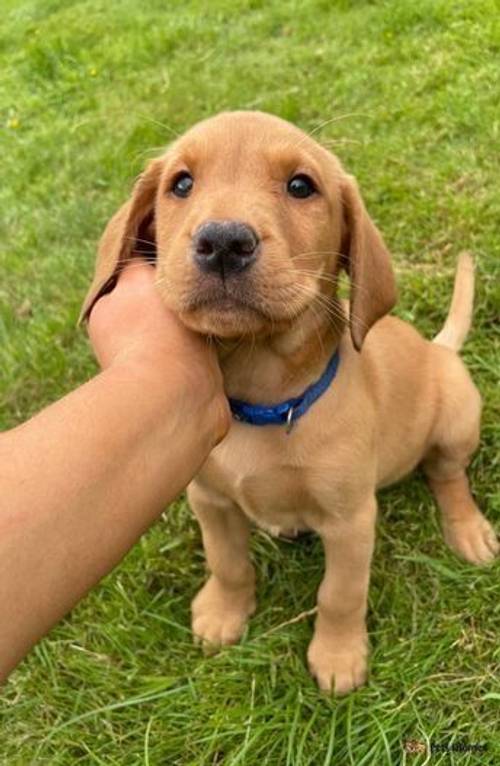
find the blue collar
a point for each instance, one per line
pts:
(287, 412)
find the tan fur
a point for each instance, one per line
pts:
(398, 400)
(459, 317)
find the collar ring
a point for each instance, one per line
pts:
(289, 420)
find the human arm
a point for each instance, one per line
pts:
(83, 479)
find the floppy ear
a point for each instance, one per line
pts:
(368, 264)
(131, 229)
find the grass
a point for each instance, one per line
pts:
(88, 91)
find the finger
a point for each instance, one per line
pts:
(137, 270)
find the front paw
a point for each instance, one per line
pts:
(219, 615)
(338, 666)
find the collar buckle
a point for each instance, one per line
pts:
(287, 412)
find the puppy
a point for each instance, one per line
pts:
(250, 222)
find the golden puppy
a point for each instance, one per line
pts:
(250, 222)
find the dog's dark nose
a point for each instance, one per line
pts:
(225, 247)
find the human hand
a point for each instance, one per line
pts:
(132, 327)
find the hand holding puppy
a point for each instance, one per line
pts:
(132, 326)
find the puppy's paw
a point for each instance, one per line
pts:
(219, 615)
(473, 539)
(338, 667)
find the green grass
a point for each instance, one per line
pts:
(88, 91)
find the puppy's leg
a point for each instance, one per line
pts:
(337, 654)
(221, 608)
(465, 529)
(456, 437)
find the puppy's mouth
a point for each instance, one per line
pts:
(225, 302)
(227, 309)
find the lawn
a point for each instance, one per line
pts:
(406, 93)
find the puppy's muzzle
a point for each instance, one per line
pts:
(224, 247)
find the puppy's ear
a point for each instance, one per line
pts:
(367, 262)
(131, 229)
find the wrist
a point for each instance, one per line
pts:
(173, 389)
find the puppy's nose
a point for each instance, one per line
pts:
(225, 247)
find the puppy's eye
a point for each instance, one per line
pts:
(183, 185)
(300, 186)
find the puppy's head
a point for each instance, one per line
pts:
(249, 221)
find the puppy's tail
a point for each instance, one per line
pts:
(459, 317)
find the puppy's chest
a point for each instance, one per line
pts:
(268, 473)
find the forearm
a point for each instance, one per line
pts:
(79, 483)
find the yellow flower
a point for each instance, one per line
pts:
(92, 71)
(13, 123)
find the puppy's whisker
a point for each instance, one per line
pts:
(324, 315)
(339, 141)
(152, 150)
(331, 307)
(160, 124)
(317, 325)
(316, 253)
(354, 316)
(321, 125)
(143, 241)
(331, 279)
(317, 275)
(135, 264)
(137, 260)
